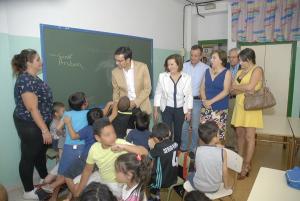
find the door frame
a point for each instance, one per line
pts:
(213, 42)
(292, 67)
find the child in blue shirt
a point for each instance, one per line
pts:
(141, 134)
(72, 148)
(87, 135)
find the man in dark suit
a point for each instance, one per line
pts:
(233, 66)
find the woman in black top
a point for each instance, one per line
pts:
(32, 117)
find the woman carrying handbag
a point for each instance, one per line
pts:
(248, 80)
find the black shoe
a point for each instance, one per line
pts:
(179, 190)
(192, 155)
(43, 195)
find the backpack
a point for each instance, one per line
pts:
(293, 177)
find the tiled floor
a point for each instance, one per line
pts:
(267, 155)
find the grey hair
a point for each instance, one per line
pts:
(237, 50)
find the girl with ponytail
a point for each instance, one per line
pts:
(135, 171)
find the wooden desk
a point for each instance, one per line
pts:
(278, 129)
(295, 126)
(270, 185)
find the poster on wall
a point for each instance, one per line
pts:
(209, 46)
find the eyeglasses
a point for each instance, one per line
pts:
(119, 61)
(229, 57)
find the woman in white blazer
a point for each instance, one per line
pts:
(173, 95)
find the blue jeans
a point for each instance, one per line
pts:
(197, 104)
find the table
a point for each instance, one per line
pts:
(295, 126)
(270, 185)
(278, 128)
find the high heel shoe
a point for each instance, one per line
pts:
(245, 172)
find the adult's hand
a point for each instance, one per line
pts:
(207, 104)
(47, 139)
(188, 116)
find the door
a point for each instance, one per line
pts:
(277, 73)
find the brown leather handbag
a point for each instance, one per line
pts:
(260, 99)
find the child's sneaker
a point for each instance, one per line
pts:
(48, 188)
(31, 195)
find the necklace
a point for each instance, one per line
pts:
(215, 71)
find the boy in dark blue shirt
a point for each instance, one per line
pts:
(141, 134)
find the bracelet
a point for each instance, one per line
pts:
(44, 131)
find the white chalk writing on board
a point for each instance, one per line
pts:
(67, 60)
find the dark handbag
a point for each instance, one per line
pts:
(261, 99)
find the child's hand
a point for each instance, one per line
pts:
(132, 104)
(110, 103)
(117, 148)
(67, 120)
(151, 143)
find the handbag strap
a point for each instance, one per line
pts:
(263, 75)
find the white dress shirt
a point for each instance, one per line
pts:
(129, 77)
(197, 73)
(164, 93)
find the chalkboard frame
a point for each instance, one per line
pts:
(44, 27)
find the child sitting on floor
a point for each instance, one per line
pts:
(134, 171)
(103, 153)
(141, 134)
(122, 121)
(210, 162)
(96, 191)
(163, 151)
(56, 127)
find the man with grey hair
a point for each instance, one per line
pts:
(233, 66)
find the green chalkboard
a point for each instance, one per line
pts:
(82, 60)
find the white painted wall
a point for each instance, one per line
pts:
(3, 18)
(160, 20)
(188, 30)
(213, 26)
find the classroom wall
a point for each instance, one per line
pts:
(213, 26)
(19, 29)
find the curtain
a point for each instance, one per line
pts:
(265, 20)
